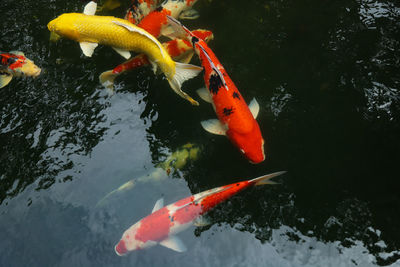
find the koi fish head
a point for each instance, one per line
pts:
(63, 25)
(206, 35)
(29, 69)
(178, 7)
(129, 241)
(251, 144)
(19, 64)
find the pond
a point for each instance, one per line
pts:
(326, 76)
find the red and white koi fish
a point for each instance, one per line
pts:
(236, 120)
(162, 225)
(140, 9)
(156, 21)
(179, 49)
(16, 64)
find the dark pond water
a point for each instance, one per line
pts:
(327, 77)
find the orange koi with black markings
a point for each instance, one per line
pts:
(236, 119)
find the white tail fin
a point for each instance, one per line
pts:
(107, 79)
(184, 72)
(266, 179)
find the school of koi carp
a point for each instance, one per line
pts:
(145, 21)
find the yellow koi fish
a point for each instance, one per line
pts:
(90, 30)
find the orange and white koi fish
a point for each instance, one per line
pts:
(236, 120)
(156, 21)
(16, 64)
(162, 225)
(140, 9)
(179, 49)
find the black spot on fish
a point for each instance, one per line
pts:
(227, 111)
(194, 40)
(159, 9)
(237, 184)
(215, 83)
(236, 95)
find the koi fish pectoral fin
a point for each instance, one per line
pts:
(254, 107)
(204, 94)
(159, 204)
(189, 14)
(90, 8)
(5, 79)
(88, 48)
(126, 54)
(174, 243)
(214, 126)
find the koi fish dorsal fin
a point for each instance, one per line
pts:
(90, 8)
(189, 14)
(88, 48)
(5, 79)
(215, 69)
(266, 179)
(254, 107)
(159, 204)
(142, 32)
(174, 243)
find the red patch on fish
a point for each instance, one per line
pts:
(154, 227)
(154, 22)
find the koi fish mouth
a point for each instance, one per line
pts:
(120, 248)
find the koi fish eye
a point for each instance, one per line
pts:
(194, 40)
(11, 60)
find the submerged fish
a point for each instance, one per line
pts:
(162, 225)
(179, 49)
(176, 161)
(236, 120)
(108, 5)
(156, 21)
(16, 64)
(90, 30)
(140, 9)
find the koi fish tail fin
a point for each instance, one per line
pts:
(107, 79)
(176, 30)
(266, 179)
(184, 72)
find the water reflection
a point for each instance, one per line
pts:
(326, 76)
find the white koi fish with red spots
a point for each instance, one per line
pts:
(162, 225)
